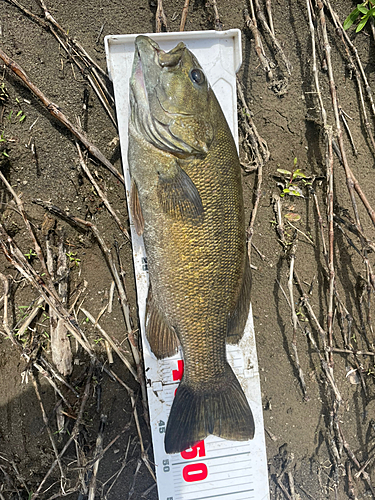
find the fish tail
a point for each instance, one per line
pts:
(218, 407)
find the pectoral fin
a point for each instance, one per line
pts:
(238, 318)
(178, 195)
(161, 337)
(136, 210)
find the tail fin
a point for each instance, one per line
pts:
(216, 407)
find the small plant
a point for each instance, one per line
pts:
(3, 92)
(21, 115)
(30, 254)
(72, 257)
(291, 178)
(361, 8)
(2, 139)
(97, 341)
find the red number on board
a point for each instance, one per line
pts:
(177, 374)
(197, 449)
(194, 472)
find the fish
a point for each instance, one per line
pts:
(186, 200)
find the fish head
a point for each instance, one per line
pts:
(171, 99)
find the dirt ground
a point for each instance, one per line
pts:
(310, 442)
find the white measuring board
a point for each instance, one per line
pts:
(215, 468)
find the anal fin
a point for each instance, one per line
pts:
(238, 318)
(161, 337)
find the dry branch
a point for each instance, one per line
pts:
(77, 54)
(46, 423)
(348, 43)
(86, 169)
(161, 18)
(276, 44)
(292, 255)
(98, 451)
(18, 260)
(120, 288)
(251, 23)
(37, 247)
(56, 113)
(60, 345)
(258, 145)
(111, 342)
(74, 432)
(218, 23)
(184, 14)
(351, 181)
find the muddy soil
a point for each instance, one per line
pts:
(40, 160)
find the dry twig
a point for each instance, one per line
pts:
(120, 288)
(46, 423)
(56, 113)
(74, 432)
(98, 450)
(161, 18)
(97, 78)
(86, 169)
(251, 23)
(276, 44)
(184, 14)
(258, 145)
(218, 23)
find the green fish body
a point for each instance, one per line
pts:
(186, 200)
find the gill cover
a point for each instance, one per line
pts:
(171, 99)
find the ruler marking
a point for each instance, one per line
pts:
(220, 447)
(235, 463)
(208, 480)
(202, 459)
(230, 472)
(210, 489)
(225, 494)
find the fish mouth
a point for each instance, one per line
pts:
(145, 50)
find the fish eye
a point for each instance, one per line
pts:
(197, 76)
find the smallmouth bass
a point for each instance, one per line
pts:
(186, 200)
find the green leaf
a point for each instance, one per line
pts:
(298, 174)
(361, 7)
(284, 172)
(294, 191)
(362, 23)
(351, 18)
(292, 217)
